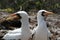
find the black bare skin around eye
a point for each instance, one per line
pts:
(43, 13)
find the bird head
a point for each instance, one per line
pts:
(17, 15)
(44, 13)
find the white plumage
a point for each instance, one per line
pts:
(41, 32)
(22, 33)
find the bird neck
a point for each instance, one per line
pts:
(25, 24)
(40, 20)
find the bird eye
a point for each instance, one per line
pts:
(43, 13)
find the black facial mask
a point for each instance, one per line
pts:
(43, 13)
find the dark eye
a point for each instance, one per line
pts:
(43, 13)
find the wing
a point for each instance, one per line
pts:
(13, 34)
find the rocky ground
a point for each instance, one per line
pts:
(53, 22)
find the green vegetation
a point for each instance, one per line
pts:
(15, 5)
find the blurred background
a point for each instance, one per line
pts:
(27, 5)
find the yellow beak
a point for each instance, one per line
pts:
(48, 13)
(12, 17)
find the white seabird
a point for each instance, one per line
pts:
(41, 32)
(22, 33)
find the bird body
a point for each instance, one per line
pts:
(22, 33)
(41, 32)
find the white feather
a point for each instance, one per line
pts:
(41, 32)
(22, 33)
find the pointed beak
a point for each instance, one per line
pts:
(48, 13)
(12, 17)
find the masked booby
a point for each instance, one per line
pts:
(41, 32)
(22, 33)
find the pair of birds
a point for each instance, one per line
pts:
(24, 32)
